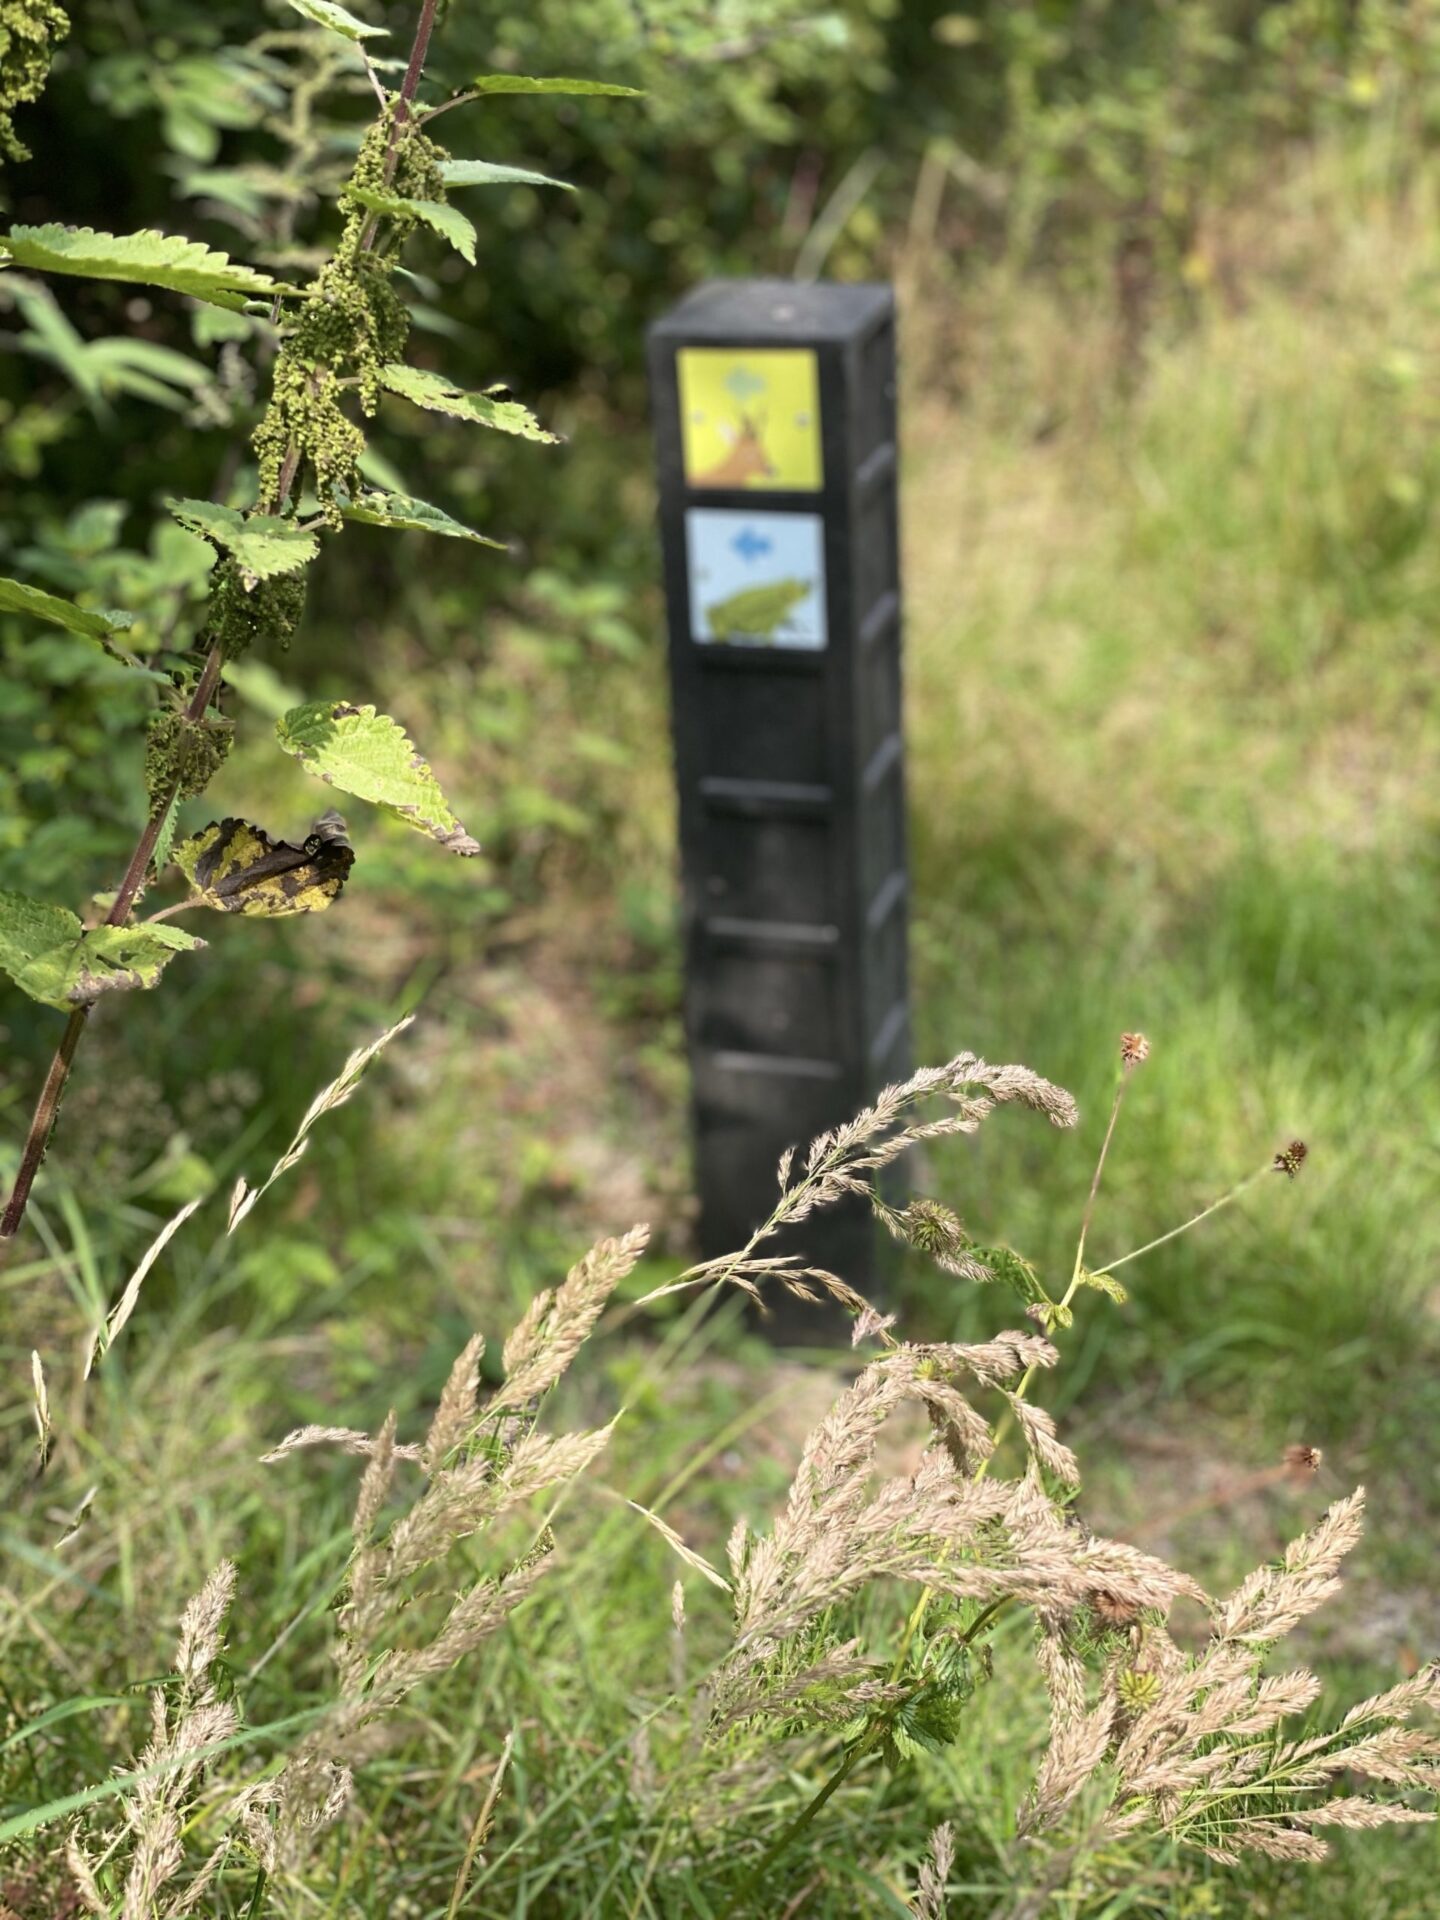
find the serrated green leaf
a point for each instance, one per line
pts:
(263, 544)
(368, 754)
(325, 13)
(448, 222)
(165, 839)
(147, 258)
(49, 955)
(378, 507)
(439, 395)
(526, 83)
(485, 173)
(16, 597)
(30, 927)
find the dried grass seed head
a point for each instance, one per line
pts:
(554, 1330)
(1301, 1463)
(1134, 1050)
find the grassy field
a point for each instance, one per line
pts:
(1173, 755)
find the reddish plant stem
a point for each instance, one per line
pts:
(420, 46)
(46, 1109)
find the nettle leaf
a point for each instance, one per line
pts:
(448, 222)
(263, 544)
(237, 868)
(527, 83)
(369, 754)
(325, 13)
(16, 597)
(147, 258)
(48, 954)
(379, 507)
(439, 395)
(485, 173)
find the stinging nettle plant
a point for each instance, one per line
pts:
(339, 343)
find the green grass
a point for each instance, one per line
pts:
(1172, 750)
(1172, 766)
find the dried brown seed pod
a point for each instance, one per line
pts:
(1290, 1159)
(1111, 1610)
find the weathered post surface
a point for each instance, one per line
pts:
(774, 409)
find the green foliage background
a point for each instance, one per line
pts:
(1173, 352)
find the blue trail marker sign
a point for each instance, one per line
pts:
(774, 414)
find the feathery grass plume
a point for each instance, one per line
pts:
(1038, 1429)
(244, 1196)
(1062, 1670)
(970, 1538)
(43, 1427)
(1077, 1747)
(456, 1411)
(843, 1162)
(1182, 1733)
(1270, 1601)
(478, 1463)
(1188, 1741)
(1202, 1755)
(105, 1337)
(556, 1326)
(870, 1325)
(687, 1554)
(348, 1439)
(929, 1902)
(184, 1729)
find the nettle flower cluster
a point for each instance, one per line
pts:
(354, 323)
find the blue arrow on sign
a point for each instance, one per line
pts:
(750, 545)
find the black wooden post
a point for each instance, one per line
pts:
(774, 411)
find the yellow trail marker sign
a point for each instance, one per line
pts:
(750, 418)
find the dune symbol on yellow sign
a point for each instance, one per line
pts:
(750, 419)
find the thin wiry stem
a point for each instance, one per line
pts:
(1233, 1193)
(1085, 1219)
(802, 1820)
(918, 1611)
(1088, 1214)
(481, 1829)
(460, 100)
